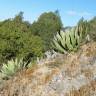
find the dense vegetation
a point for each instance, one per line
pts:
(46, 27)
(21, 39)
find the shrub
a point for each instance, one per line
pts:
(32, 46)
(17, 41)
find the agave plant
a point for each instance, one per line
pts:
(12, 67)
(70, 40)
(66, 41)
(82, 29)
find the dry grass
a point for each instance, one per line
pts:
(27, 82)
(32, 82)
(86, 90)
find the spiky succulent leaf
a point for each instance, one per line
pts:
(63, 42)
(73, 38)
(58, 37)
(12, 67)
(58, 47)
(68, 43)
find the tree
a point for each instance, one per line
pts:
(16, 40)
(19, 17)
(46, 27)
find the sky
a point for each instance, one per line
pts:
(70, 10)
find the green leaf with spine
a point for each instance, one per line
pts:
(68, 41)
(57, 46)
(71, 39)
(72, 36)
(63, 39)
(12, 67)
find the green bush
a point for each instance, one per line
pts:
(32, 46)
(17, 40)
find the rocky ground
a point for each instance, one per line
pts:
(65, 75)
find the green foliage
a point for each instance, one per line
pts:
(17, 40)
(92, 31)
(32, 46)
(46, 27)
(70, 40)
(65, 41)
(12, 67)
(82, 29)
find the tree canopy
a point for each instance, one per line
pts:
(47, 25)
(17, 40)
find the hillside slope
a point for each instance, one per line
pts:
(66, 75)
